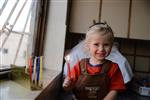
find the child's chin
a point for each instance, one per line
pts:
(100, 58)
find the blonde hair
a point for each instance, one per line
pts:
(101, 29)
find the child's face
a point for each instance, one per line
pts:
(99, 46)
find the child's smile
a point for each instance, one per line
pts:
(101, 54)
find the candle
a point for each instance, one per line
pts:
(68, 65)
(78, 61)
(41, 70)
(34, 76)
(30, 67)
(69, 72)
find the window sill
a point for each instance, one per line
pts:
(11, 90)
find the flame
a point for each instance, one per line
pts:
(67, 58)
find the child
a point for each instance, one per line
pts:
(96, 78)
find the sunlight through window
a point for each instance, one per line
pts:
(16, 31)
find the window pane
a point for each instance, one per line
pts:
(16, 31)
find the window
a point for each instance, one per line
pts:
(16, 31)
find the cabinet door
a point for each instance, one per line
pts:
(116, 14)
(140, 19)
(82, 14)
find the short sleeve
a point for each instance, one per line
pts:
(116, 78)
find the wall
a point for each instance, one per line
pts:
(55, 36)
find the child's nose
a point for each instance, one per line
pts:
(101, 48)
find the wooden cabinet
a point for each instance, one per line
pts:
(82, 14)
(128, 18)
(140, 19)
(116, 13)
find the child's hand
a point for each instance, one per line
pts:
(68, 84)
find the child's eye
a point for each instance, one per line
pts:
(107, 44)
(96, 44)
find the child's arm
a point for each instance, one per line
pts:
(71, 79)
(111, 95)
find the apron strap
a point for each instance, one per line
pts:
(83, 65)
(106, 66)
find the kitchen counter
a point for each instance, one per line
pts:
(11, 90)
(130, 95)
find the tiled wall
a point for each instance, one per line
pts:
(137, 52)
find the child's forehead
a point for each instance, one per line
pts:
(98, 37)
